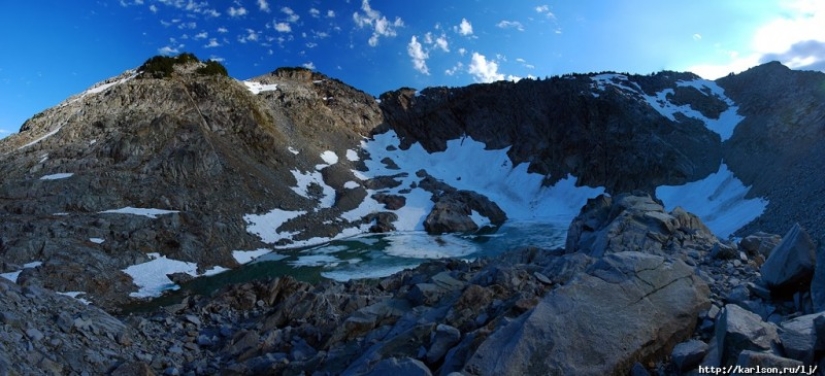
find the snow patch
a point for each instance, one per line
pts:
(12, 276)
(244, 257)
(62, 175)
(719, 200)
(305, 180)
(97, 240)
(146, 212)
(75, 294)
(151, 277)
(330, 157)
(47, 135)
(352, 156)
(293, 150)
(256, 87)
(266, 225)
(351, 185)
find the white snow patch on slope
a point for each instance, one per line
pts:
(330, 157)
(305, 180)
(723, 126)
(351, 185)
(352, 156)
(243, 257)
(719, 200)
(256, 87)
(97, 240)
(62, 175)
(293, 150)
(12, 276)
(146, 212)
(266, 225)
(151, 277)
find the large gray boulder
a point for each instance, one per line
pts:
(738, 329)
(453, 212)
(628, 307)
(790, 265)
(630, 222)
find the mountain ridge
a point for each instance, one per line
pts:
(223, 154)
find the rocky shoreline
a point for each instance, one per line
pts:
(636, 291)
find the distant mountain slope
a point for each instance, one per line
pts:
(205, 170)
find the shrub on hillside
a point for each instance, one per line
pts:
(163, 66)
(212, 68)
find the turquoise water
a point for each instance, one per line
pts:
(371, 256)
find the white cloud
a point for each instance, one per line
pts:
(169, 50)
(457, 68)
(212, 13)
(213, 42)
(283, 27)
(236, 12)
(462, 51)
(291, 16)
(223, 30)
(418, 55)
(697, 36)
(545, 10)
(202, 35)
(315, 13)
(504, 24)
(263, 6)
(153, 8)
(251, 36)
(309, 65)
(465, 28)
(330, 13)
(441, 42)
(484, 70)
(381, 26)
(795, 37)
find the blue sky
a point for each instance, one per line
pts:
(54, 48)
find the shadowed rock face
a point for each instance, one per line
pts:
(558, 126)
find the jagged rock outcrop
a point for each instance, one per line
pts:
(628, 222)
(454, 211)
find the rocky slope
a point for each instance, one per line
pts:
(190, 169)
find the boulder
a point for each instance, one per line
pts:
(633, 222)
(687, 355)
(635, 306)
(760, 243)
(463, 211)
(738, 329)
(790, 266)
(752, 359)
(799, 337)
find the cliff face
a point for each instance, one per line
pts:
(606, 134)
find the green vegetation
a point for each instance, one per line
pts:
(212, 68)
(163, 66)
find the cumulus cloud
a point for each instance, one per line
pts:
(223, 30)
(330, 13)
(418, 56)
(484, 70)
(263, 6)
(465, 28)
(504, 24)
(170, 50)
(441, 42)
(381, 26)
(456, 68)
(462, 51)
(291, 17)
(153, 8)
(309, 65)
(315, 13)
(283, 27)
(236, 12)
(213, 42)
(201, 35)
(251, 36)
